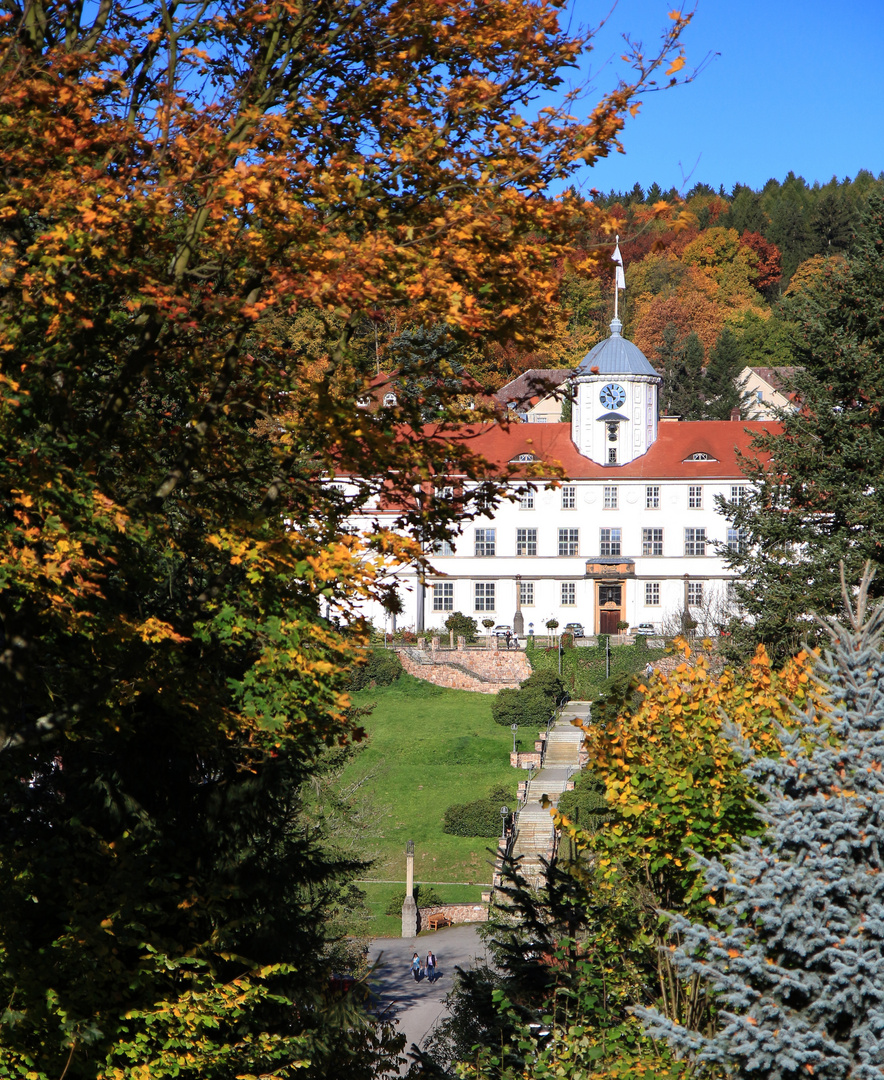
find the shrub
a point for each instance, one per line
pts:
(479, 818)
(532, 704)
(548, 682)
(424, 896)
(381, 669)
(602, 641)
(567, 640)
(463, 626)
(641, 641)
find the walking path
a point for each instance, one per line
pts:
(535, 837)
(417, 1006)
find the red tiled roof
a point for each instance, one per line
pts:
(676, 441)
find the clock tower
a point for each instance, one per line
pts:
(614, 409)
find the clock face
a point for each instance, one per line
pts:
(612, 396)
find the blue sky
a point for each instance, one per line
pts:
(797, 85)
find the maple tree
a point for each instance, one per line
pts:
(202, 212)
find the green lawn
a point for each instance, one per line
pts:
(427, 748)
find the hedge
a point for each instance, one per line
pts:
(381, 669)
(479, 818)
(532, 704)
(424, 896)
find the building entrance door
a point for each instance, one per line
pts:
(609, 608)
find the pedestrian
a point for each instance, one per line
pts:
(431, 967)
(649, 670)
(416, 967)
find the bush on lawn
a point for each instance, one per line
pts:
(462, 625)
(381, 669)
(424, 896)
(532, 704)
(479, 818)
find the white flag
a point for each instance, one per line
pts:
(619, 277)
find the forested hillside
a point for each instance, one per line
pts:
(706, 275)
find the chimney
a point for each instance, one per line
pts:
(735, 415)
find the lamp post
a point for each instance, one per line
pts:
(514, 728)
(504, 814)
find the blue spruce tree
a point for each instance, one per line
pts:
(795, 952)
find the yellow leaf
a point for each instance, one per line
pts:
(676, 65)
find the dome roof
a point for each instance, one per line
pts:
(616, 356)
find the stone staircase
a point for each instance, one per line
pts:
(534, 837)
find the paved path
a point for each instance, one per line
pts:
(417, 1006)
(535, 838)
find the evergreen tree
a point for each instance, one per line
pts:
(722, 389)
(817, 499)
(832, 223)
(795, 950)
(683, 381)
(655, 193)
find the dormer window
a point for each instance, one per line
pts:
(389, 400)
(701, 455)
(526, 457)
(363, 402)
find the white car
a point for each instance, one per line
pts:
(645, 628)
(501, 630)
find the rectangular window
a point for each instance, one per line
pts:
(526, 593)
(652, 593)
(569, 498)
(443, 596)
(484, 595)
(526, 499)
(569, 594)
(739, 493)
(443, 547)
(610, 498)
(695, 594)
(526, 541)
(738, 540)
(652, 541)
(695, 498)
(568, 541)
(609, 542)
(732, 598)
(612, 455)
(695, 541)
(444, 494)
(652, 497)
(484, 541)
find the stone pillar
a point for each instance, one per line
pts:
(409, 908)
(451, 638)
(421, 601)
(434, 644)
(518, 618)
(461, 643)
(422, 643)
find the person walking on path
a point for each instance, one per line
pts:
(416, 967)
(431, 967)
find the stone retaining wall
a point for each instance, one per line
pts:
(455, 913)
(501, 669)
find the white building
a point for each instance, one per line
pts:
(631, 533)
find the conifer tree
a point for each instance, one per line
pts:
(795, 951)
(722, 390)
(815, 496)
(683, 381)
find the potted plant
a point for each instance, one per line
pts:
(488, 623)
(552, 624)
(623, 626)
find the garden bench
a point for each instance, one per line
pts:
(437, 920)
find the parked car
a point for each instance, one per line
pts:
(644, 628)
(501, 630)
(574, 628)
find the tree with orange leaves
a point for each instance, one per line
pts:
(176, 179)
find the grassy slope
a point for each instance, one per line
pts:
(430, 747)
(583, 669)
